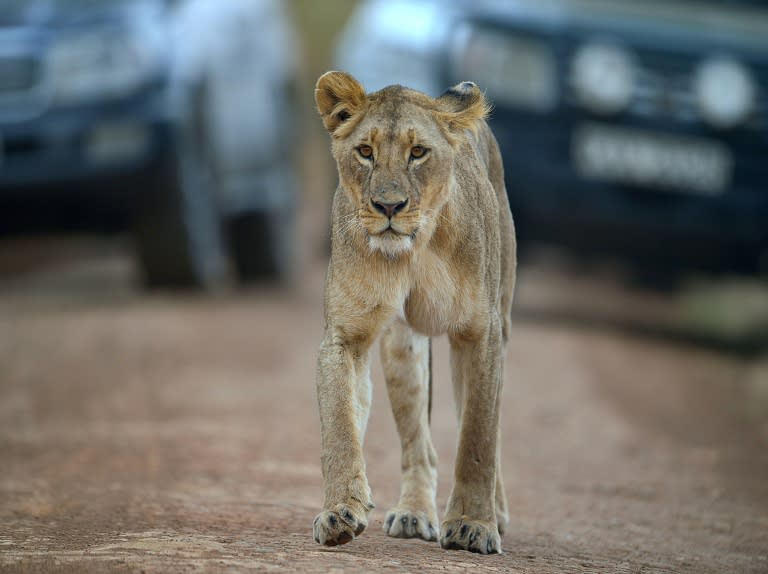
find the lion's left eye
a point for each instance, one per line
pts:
(365, 151)
(418, 151)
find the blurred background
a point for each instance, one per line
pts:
(183, 133)
(165, 190)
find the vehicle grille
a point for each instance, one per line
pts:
(664, 88)
(18, 75)
(21, 87)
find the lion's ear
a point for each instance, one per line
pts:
(463, 106)
(339, 97)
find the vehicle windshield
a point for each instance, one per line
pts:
(723, 20)
(738, 2)
(21, 12)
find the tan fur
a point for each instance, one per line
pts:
(443, 263)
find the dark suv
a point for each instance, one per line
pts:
(637, 129)
(169, 112)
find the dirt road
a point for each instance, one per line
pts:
(169, 434)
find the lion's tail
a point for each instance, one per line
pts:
(429, 384)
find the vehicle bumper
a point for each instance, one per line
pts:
(553, 202)
(68, 150)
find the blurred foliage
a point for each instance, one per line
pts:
(318, 23)
(730, 309)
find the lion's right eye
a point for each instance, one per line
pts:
(418, 152)
(365, 151)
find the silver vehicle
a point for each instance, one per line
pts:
(171, 112)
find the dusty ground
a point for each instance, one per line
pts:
(166, 433)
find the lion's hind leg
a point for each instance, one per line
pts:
(405, 358)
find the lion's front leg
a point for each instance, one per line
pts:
(344, 397)
(405, 358)
(470, 521)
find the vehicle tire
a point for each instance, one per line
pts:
(178, 227)
(262, 245)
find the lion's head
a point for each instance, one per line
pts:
(395, 153)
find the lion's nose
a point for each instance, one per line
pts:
(389, 208)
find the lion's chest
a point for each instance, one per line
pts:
(435, 303)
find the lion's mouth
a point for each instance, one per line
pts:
(391, 231)
(391, 240)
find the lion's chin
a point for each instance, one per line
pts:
(391, 244)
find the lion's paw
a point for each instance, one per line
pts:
(401, 523)
(473, 535)
(338, 526)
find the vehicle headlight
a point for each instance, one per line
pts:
(514, 69)
(603, 77)
(100, 65)
(725, 91)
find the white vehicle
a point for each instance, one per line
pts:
(175, 113)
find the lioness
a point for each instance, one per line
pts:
(422, 244)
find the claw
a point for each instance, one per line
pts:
(471, 535)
